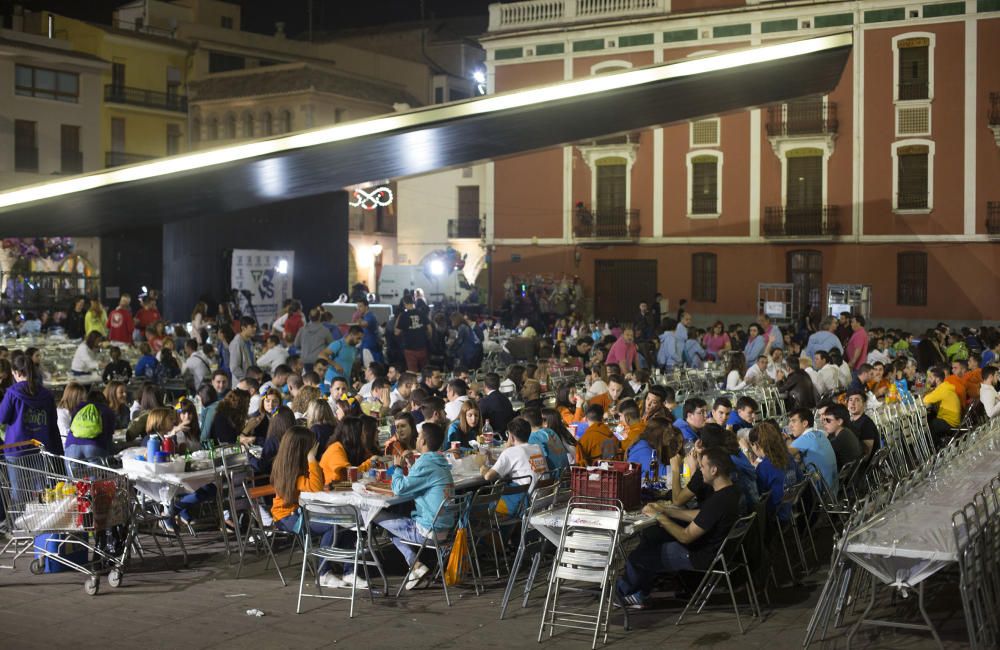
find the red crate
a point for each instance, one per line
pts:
(621, 481)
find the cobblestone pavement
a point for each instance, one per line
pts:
(161, 605)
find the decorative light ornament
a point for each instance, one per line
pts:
(379, 197)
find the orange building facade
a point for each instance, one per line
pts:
(891, 181)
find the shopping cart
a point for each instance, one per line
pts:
(81, 504)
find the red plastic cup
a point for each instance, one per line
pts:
(353, 474)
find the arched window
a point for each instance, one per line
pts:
(703, 277)
(704, 183)
(267, 123)
(286, 121)
(213, 129)
(248, 125)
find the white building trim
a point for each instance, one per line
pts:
(969, 125)
(932, 39)
(858, 127)
(593, 153)
(610, 65)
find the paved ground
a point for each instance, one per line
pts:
(161, 605)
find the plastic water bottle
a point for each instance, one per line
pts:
(152, 447)
(487, 433)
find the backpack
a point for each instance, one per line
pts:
(87, 424)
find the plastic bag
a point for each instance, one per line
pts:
(458, 564)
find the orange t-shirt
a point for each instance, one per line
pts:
(335, 463)
(959, 385)
(597, 443)
(632, 434)
(973, 380)
(312, 483)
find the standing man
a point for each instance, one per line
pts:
(371, 348)
(857, 345)
(120, 323)
(494, 407)
(624, 351)
(414, 329)
(146, 316)
(241, 354)
(645, 322)
(825, 339)
(312, 338)
(341, 354)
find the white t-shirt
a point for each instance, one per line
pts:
(522, 461)
(452, 409)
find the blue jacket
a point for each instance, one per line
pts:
(30, 417)
(824, 341)
(455, 435)
(146, 367)
(694, 354)
(640, 452)
(736, 422)
(668, 355)
(552, 447)
(690, 434)
(429, 483)
(745, 478)
(754, 349)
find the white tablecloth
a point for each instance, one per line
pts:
(369, 504)
(164, 487)
(550, 522)
(913, 538)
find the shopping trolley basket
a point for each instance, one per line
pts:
(84, 504)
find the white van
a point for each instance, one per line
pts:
(446, 287)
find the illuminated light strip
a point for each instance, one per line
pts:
(380, 197)
(423, 116)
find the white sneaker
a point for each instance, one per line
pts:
(416, 576)
(356, 580)
(330, 581)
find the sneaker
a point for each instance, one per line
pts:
(416, 576)
(356, 580)
(330, 581)
(634, 601)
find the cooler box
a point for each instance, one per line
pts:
(75, 553)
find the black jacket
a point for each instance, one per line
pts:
(496, 409)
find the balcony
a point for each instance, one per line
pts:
(993, 217)
(147, 98)
(143, 28)
(26, 159)
(118, 158)
(796, 119)
(538, 13)
(994, 117)
(915, 89)
(72, 162)
(620, 224)
(819, 221)
(464, 228)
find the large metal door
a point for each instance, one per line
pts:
(620, 285)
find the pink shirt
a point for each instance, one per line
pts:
(858, 341)
(715, 343)
(623, 353)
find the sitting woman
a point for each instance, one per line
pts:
(165, 424)
(148, 399)
(320, 420)
(347, 406)
(294, 471)
(187, 431)
(85, 359)
(346, 449)
(570, 408)
(305, 396)
(117, 396)
(404, 436)
(231, 420)
(776, 469)
(147, 367)
(282, 420)
(270, 402)
(466, 427)
(554, 422)
(369, 435)
(659, 437)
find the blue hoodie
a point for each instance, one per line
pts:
(30, 417)
(690, 435)
(640, 452)
(429, 483)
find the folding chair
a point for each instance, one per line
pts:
(482, 523)
(346, 518)
(730, 558)
(259, 534)
(454, 508)
(544, 498)
(791, 501)
(587, 552)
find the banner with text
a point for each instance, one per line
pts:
(264, 281)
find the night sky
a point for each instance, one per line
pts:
(260, 15)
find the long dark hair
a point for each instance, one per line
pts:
(369, 435)
(562, 397)
(282, 420)
(348, 434)
(554, 421)
(291, 462)
(234, 407)
(24, 366)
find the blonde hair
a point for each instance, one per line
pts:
(319, 412)
(72, 396)
(304, 398)
(160, 420)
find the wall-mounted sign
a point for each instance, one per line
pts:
(379, 197)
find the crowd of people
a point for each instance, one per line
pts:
(312, 394)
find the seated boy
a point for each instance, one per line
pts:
(598, 442)
(521, 461)
(429, 483)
